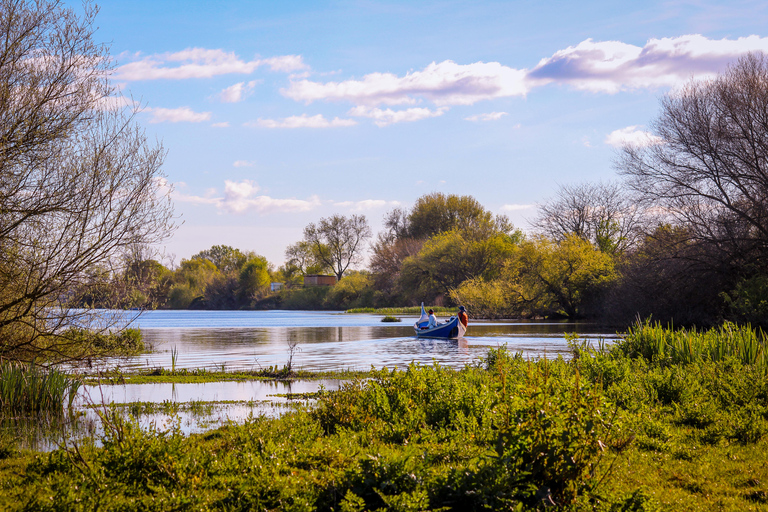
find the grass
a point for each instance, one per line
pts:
(652, 341)
(202, 375)
(611, 429)
(28, 389)
(391, 319)
(409, 310)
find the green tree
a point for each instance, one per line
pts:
(338, 241)
(191, 280)
(566, 274)
(448, 259)
(227, 259)
(254, 279)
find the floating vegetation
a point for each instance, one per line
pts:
(389, 318)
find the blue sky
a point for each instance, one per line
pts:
(275, 114)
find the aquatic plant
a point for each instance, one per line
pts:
(654, 342)
(29, 389)
(390, 319)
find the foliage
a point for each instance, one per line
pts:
(728, 341)
(606, 430)
(338, 241)
(29, 389)
(80, 184)
(486, 299)
(450, 258)
(568, 274)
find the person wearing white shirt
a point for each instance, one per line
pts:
(432, 320)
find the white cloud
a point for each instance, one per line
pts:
(444, 83)
(243, 163)
(633, 136)
(490, 116)
(177, 115)
(201, 63)
(242, 197)
(224, 124)
(367, 204)
(286, 63)
(516, 207)
(613, 66)
(237, 92)
(302, 121)
(389, 116)
(597, 66)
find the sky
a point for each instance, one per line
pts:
(276, 114)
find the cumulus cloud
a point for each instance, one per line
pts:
(490, 116)
(613, 66)
(177, 115)
(201, 63)
(237, 92)
(243, 197)
(444, 83)
(302, 121)
(597, 66)
(633, 136)
(384, 117)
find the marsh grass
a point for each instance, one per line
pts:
(389, 318)
(608, 430)
(681, 346)
(28, 389)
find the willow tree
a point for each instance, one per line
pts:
(80, 184)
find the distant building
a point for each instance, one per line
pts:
(319, 280)
(276, 287)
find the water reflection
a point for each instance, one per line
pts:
(250, 340)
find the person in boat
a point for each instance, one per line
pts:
(463, 318)
(432, 320)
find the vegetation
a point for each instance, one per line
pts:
(66, 149)
(390, 319)
(614, 428)
(26, 389)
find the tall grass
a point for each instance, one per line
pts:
(741, 342)
(28, 389)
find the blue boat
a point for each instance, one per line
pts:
(448, 330)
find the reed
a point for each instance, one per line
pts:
(741, 342)
(28, 389)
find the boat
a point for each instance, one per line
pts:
(449, 330)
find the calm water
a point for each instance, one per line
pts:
(257, 339)
(331, 340)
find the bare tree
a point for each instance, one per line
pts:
(338, 241)
(601, 213)
(80, 185)
(708, 167)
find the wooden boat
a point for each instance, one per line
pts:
(449, 330)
